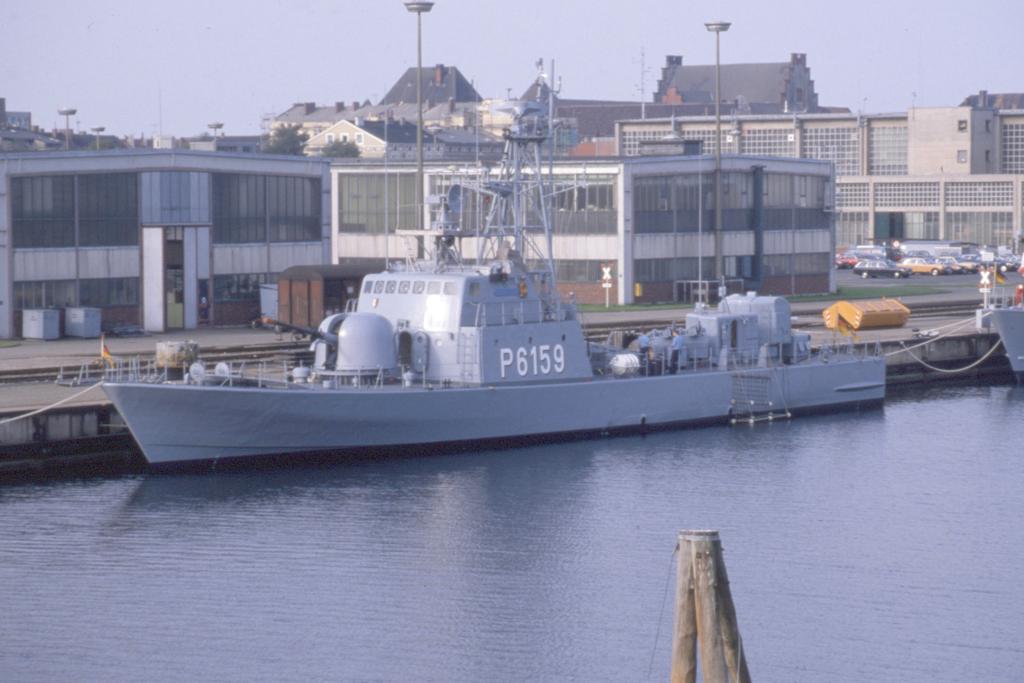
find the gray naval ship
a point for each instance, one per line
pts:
(1008, 320)
(447, 351)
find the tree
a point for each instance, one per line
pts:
(287, 140)
(340, 148)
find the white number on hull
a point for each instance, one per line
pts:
(533, 360)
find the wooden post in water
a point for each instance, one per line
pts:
(705, 614)
(684, 640)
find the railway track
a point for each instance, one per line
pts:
(292, 352)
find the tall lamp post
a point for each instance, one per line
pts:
(419, 8)
(718, 27)
(67, 113)
(96, 130)
(215, 128)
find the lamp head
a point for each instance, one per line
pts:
(717, 26)
(418, 6)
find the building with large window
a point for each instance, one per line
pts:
(649, 218)
(951, 173)
(161, 239)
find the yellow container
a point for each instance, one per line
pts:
(866, 315)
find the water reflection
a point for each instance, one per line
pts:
(880, 541)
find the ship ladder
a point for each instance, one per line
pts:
(752, 398)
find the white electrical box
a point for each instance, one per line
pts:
(40, 323)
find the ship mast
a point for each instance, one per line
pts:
(516, 233)
(519, 210)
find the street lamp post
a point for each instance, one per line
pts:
(96, 130)
(67, 113)
(718, 27)
(215, 127)
(419, 8)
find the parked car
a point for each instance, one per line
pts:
(880, 268)
(951, 263)
(926, 266)
(1007, 264)
(847, 260)
(969, 263)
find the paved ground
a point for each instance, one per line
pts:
(32, 353)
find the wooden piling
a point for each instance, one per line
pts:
(732, 645)
(684, 640)
(705, 614)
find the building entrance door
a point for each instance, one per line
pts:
(176, 285)
(174, 278)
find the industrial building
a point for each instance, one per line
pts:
(952, 173)
(649, 218)
(160, 239)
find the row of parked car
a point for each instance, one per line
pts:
(873, 265)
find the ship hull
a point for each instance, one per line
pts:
(1009, 323)
(181, 423)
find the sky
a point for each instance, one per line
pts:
(168, 68)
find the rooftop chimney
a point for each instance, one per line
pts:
(309, 107)
(355, 105)
(438, 74)
(983, 98)
(339, 107)
(451, 105)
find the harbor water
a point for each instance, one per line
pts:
(876, 546)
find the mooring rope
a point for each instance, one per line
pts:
(51, 406)
(953, 326)
(661, 613)
(953, 372)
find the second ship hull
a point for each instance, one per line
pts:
(1009, 323)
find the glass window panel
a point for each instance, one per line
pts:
(108, 209)
(239, 208)
(43, 211)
